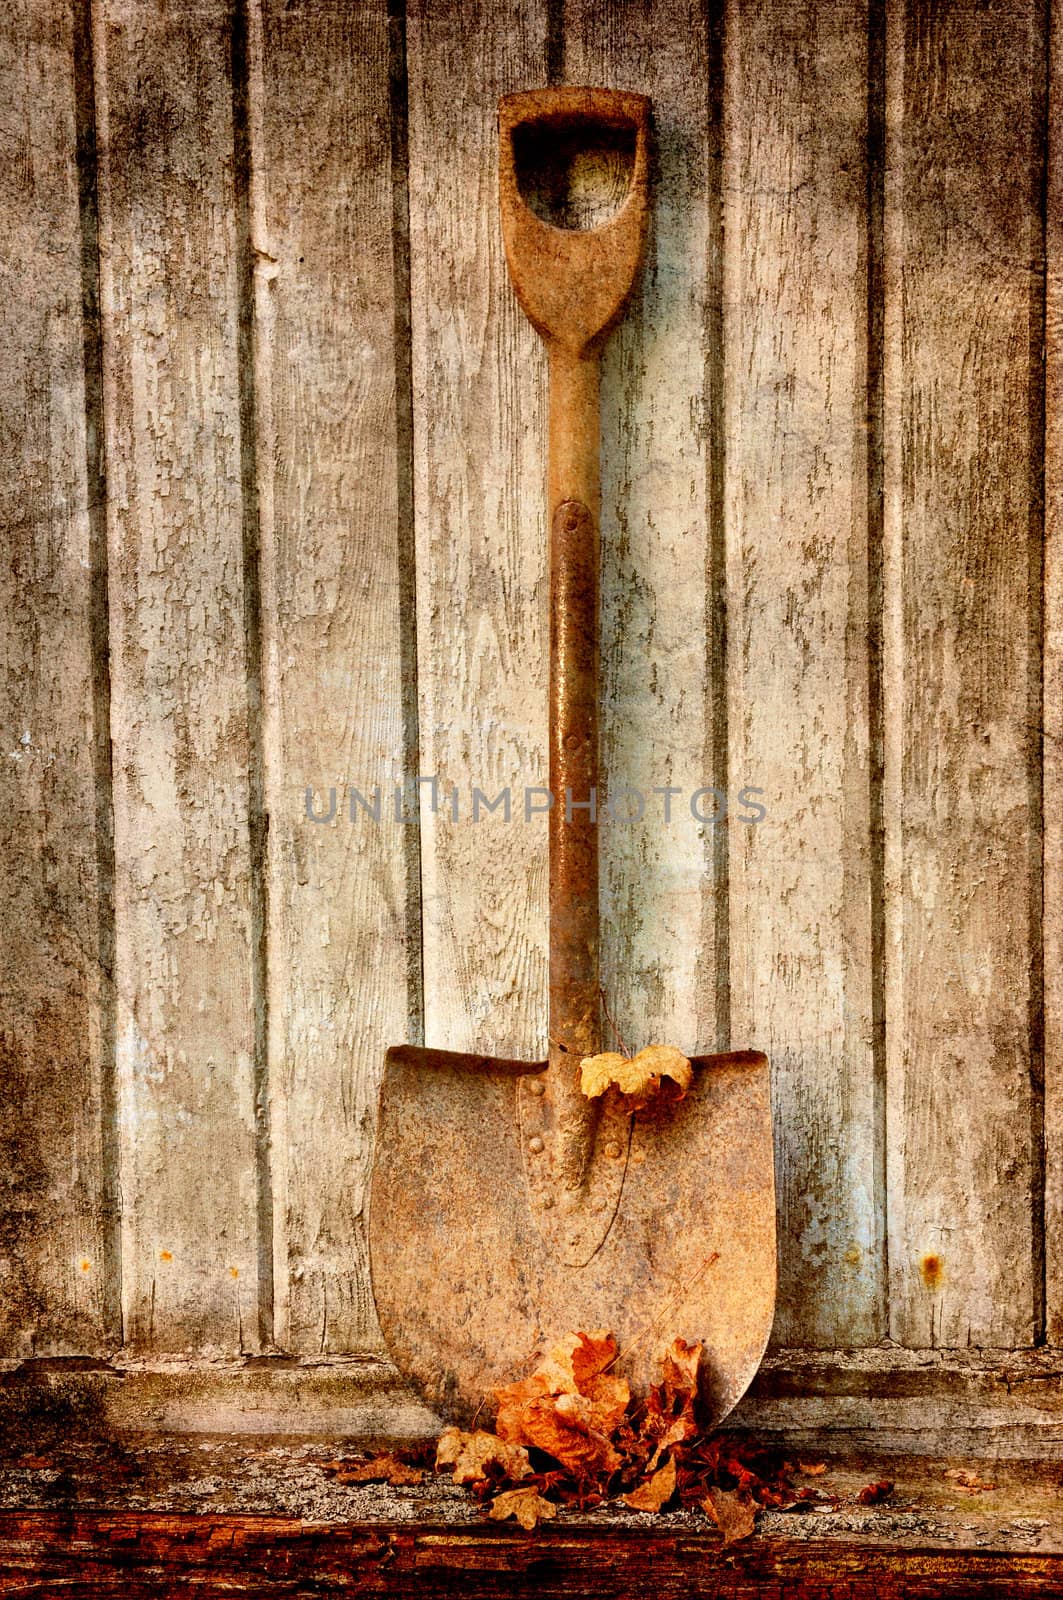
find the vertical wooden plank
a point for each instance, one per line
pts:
(1052, 699)
(183, 743)
(479, 428)
(54, 812)
(344, 955)
(796, 465)
(658, 901)
(962, 669)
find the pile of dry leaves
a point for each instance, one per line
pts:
(572, 1434)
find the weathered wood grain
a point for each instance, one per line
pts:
(342, 943)
(962, 670)
(796, 506)
(55, 1261)
(657, 897)
(182, 724)
(885, 1556)
(479, 476)
(1052, 696)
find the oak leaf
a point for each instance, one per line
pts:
(734, 1514)
(472, 1455)
(527, 1505)
(655, 1492)
(638, 1077)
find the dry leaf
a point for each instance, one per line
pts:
(671, 1409)
(874, 1493)
(378, 1469)
(679, 1368)
(968, 1482)
(570, 1381)
(527, 1505)
(555, 1425)
(513, 1399)
(812, 1469)
(640, 1077)
(655, 1492)
(734, 1514)
(473, 1454)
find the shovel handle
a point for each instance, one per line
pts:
(573, 285)
(574, 505)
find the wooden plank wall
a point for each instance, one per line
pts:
(274, 435)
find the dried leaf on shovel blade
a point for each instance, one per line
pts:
(655, 1492)
(734, 1514)
(527, 1505)
(640, 1077)
(473, 1455)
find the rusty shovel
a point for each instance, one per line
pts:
(507, 1209)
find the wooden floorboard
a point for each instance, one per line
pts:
(90, 1554)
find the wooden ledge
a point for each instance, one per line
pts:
(139, 1515)
(145, 1555)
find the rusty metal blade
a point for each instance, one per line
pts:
(468, 1293)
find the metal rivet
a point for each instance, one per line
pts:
(612, 1149)
(536, 1086)
(535, 1144)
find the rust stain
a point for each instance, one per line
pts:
(933, 1271)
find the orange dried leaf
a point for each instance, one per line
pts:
(560, 1427)
(527, 1505)
(734, 1514)
(679, 1367)
(671, 1409)
(873, 1494)
(968, 1482)
(378, 1469)
(574, 1369)
(638, 1077)
(812, 1469)
(655, 1492)
(513, 1399)
(473, 1454)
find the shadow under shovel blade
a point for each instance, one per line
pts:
(469, 1295)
